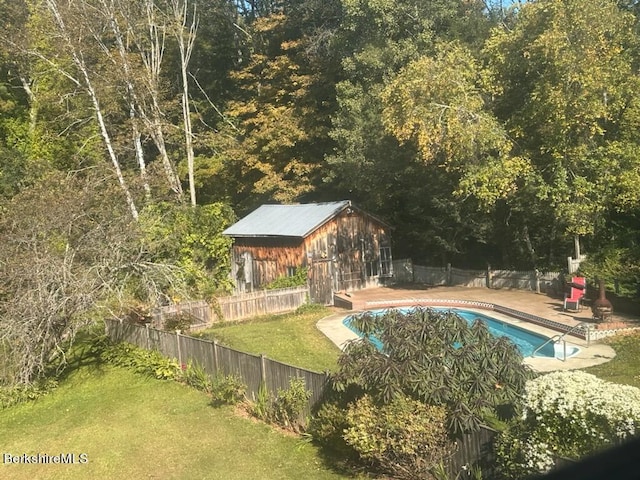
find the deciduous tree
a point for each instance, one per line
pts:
(69, 255)
(564, 78)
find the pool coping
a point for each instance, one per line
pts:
(582, 333)
(590, 353)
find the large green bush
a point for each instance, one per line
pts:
(437, 358)
(405, 437)
(190, 238)
(567, 414)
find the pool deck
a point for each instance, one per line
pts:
(540, 305)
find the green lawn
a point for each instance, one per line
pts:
(134, 427)
(290, 338)
(625, 367)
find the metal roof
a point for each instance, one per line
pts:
(286, 220)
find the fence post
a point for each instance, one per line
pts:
(537, 280)
(146, 325)
(449, 275)
(216, 366)
(489, 277)
(265, 301)
(178, 344)
(263, 368)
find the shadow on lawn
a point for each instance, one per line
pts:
(85, 353)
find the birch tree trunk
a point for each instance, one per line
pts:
(78, 60)
(185, 34)
(152, 61)
(131, 97)
(151, 51)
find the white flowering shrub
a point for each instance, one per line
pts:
(567, 414)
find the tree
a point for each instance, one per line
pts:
(191, 239)
(184, 27)
(367, 162)
(73, 33)
(436, 358)
(270, 149)
(451, 124)
(70, 255)
(564, 76)
(43, 118)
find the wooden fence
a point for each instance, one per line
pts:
(235, 307)
(545, 282)
(474, 448)
(263, 302)
(257, 370)
(215, 359)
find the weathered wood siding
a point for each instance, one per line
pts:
(359, 239)
(260, 260)
(320, 244)
(350, 243)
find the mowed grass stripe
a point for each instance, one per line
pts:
(131, 426)
(290, 338)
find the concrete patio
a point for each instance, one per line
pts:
(540, 305)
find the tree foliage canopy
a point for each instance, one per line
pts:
(484, 135)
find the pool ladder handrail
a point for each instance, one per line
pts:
(557, 338)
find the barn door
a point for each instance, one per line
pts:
(320, 282)
(264, 272)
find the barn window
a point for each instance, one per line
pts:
(291, 271)
(372, 268)
(386, 268)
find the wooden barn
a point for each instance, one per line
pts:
(343, 247)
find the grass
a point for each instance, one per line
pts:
(290, 338)
(131, 426)
(625, 367)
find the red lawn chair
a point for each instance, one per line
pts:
(573, 300)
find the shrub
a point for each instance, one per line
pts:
(227, 390)
(12, 395)
(567, 414)
(180, 321)
(327, 427)
(148, 362)
(405, 437)
(196, 377)
(520, 454)
(288, 407)
(296, 280)
(435, 357)
(261, 408)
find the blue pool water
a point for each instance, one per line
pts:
(526, 342)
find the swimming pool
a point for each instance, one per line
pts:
(526, 341)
